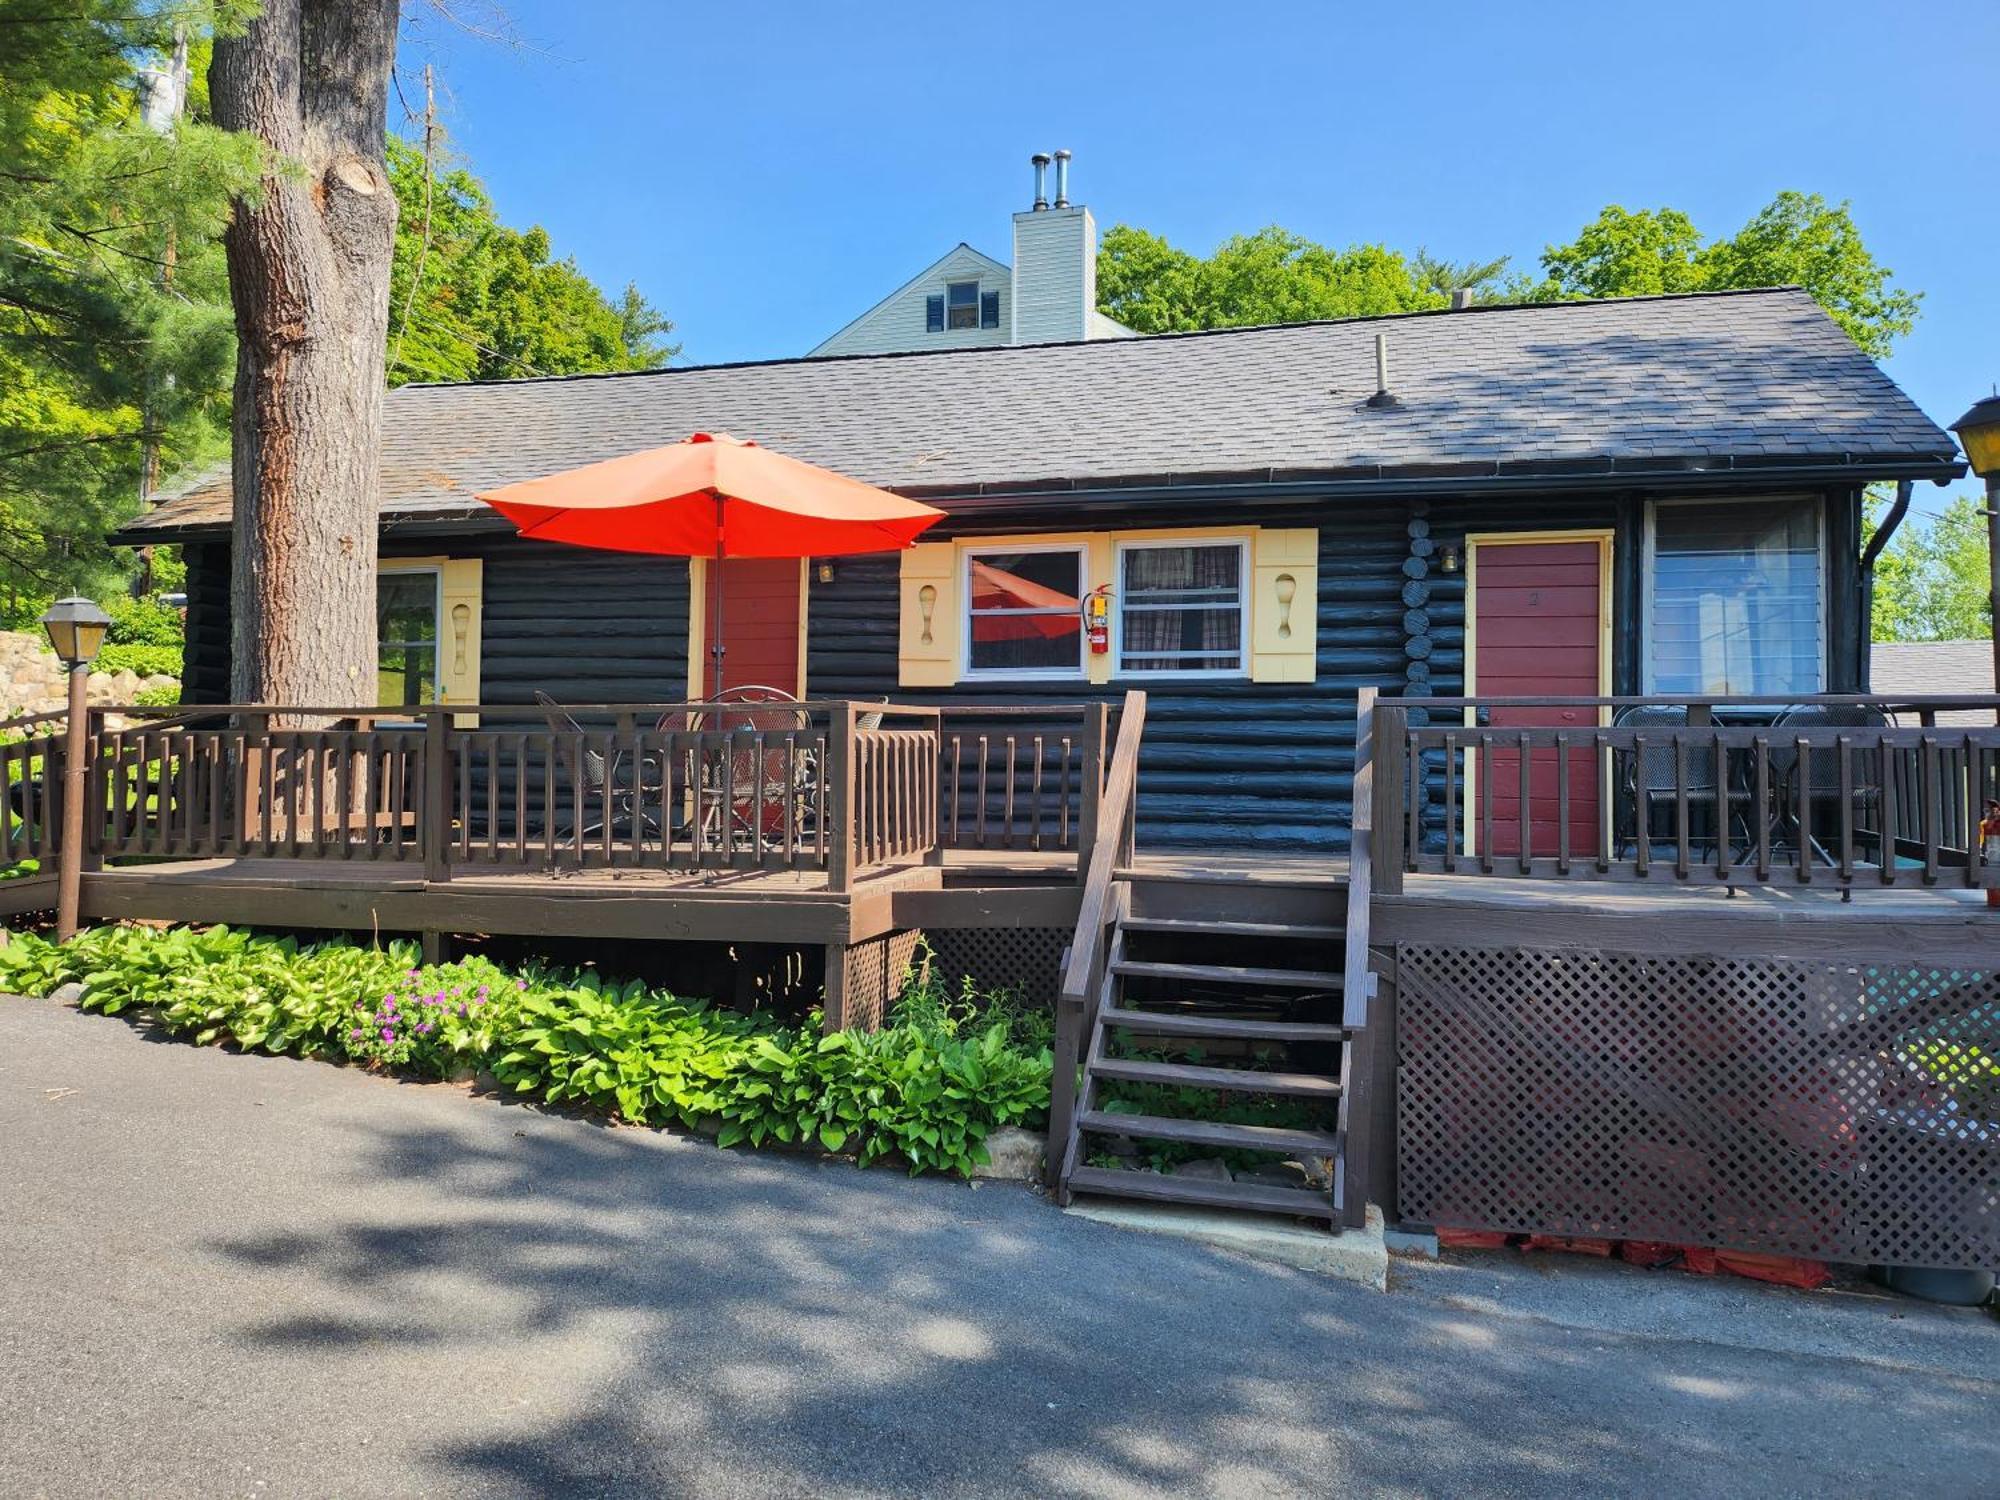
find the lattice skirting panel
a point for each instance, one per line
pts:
(1022, 959)
(1838, 1111)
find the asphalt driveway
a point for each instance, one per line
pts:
(225, 1275)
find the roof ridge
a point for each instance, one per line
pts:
(999, 350)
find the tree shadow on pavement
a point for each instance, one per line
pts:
(646, 1314)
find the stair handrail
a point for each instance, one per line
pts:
(1360, 1059)
(1083, 973)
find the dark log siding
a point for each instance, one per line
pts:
(1225, 764)
(585, 627)
(205, 663)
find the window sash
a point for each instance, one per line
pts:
(406, 663)
(996, 556)
(962, 304)
(933, 315)
(1735, 598)
(1215, 613)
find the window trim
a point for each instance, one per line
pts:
(397, 567)
(934, 305)
(1241, 670)
(1649, 557)
(966, 670)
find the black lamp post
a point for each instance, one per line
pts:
(1979, 434)
(76, 629)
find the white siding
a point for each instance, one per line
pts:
(1055, 275)
(897, 322)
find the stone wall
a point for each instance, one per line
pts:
(31, 678)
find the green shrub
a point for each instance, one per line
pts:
(144, 622)
(929, 1088)
(166, 695)
(146, 660)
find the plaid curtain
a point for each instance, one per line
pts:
(1197, 627)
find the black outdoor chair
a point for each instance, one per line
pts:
(1715, 804)
(606, 783)
(1820, 769)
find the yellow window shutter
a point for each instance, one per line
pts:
(928, 653)
(460, 596)
(1284, 605)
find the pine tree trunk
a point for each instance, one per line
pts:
(309, 278)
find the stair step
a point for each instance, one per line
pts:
(1277, 979)
(1271, 1200)
(1182, 1023)
(1300, 931)
(1216, 1133)
(1236, 1080)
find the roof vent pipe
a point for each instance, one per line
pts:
(1062, 179)
(1382, 396)
(1041, 161)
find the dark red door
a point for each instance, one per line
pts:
(1538, 632)
(760, 623)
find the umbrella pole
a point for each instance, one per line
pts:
(715, 602)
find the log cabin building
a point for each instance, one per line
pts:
(1380, 715)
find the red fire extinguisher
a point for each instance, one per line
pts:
(1097, 618)
(1989, 839)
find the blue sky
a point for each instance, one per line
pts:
(765, 171)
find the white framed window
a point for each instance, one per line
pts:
(1735, 597)
(961, 304)
(1023, 611)
(1183, 608)
(407, 612)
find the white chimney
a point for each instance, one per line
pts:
(1055, 264)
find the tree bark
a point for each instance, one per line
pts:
(309, 280)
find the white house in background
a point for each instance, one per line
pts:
(968, 300)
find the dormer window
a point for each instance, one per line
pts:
(963, 305)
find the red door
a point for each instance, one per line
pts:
(1538, 632)
(760, 623)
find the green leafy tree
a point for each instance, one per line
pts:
(1798, 239)
(115, 339)
(1931, 581)
(1272, 276)
(472, 299)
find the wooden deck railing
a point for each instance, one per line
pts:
(695, 787)
(1841, 791)
(31, 757)
(1015, 776)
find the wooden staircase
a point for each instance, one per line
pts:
(1211, 1031)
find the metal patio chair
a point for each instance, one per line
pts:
(1820, 769)
(744, 793)
(1723, 802)
(605, 782)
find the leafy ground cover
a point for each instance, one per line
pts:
(927, 1089)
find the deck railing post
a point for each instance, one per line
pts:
(437, 811)
(1390, 744)
(69, 854)
(1096, 745)
(840, 803)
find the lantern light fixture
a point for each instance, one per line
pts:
(76, 629)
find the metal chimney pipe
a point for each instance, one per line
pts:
(1062, 179)
(1041, 161)
(1382, 396)
(1461, 298)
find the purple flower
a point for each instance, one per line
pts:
(388, 1033)
(462, 1010)
(482, 992)
(410, 974)
(520, 984)
(355, 1035)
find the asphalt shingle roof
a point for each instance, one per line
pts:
(1688, 381)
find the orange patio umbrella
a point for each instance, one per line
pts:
(712, 496)
(996, 588)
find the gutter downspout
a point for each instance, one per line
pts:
(1883, 535)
